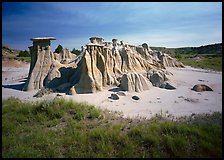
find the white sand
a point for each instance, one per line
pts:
(179, 102)
(12, 78)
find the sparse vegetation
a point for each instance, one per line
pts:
(62, 128)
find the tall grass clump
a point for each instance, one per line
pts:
(61, 128)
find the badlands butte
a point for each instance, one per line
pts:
(136, 80)
(100, 64)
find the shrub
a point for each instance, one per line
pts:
(59, 49)
(24, 54)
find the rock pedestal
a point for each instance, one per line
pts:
(41, 60)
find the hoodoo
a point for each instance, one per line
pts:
(41, 60)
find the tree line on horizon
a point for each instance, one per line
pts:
(207, 49)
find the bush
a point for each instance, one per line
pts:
(76, 51)
(59, 49)
(24, 54)
(178, 56)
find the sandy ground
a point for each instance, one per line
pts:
(14, 74)
(180, 102)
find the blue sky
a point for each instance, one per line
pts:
(167, 24)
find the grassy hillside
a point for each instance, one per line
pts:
(204, 61)
(62, 128)
(206, 57)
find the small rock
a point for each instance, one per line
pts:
(201, 88)
(120, 93)
(168, 86)
(114, 96)
(135, 97)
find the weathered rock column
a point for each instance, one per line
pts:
(41, 60)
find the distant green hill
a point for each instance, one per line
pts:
(9, 53)
(207, 49)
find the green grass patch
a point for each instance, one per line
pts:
(60, 128)
(208, 61)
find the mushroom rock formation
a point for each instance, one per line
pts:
(45, 64)
(41, 60)
(100, 64)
